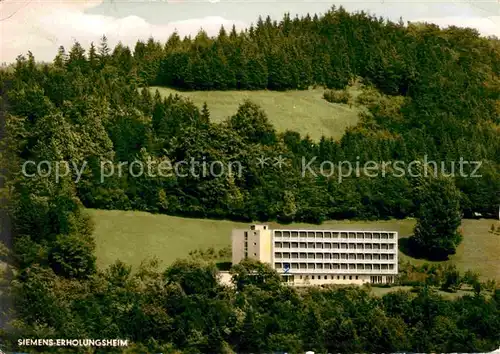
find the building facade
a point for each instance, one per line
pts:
(318, 257)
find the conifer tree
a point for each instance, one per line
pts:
(93, 57)
(103, 50)
(205, 113)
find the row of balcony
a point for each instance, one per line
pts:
(333, 239)
(335, 250)
(339, 271)
(310, 260)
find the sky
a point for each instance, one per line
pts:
(41, 26)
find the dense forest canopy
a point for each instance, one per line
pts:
(439, 101)
(431, 94)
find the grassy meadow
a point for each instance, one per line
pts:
(300, 111)
(134, 236)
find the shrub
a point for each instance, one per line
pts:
(369, 97)
(337, 96)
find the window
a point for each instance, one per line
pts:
(356, 277)
(312, 277)
(326, 277)
(344, 277)
(350, 277)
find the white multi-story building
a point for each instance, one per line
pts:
(317, 257)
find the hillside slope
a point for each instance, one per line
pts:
(305, 112)
(134, 236)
